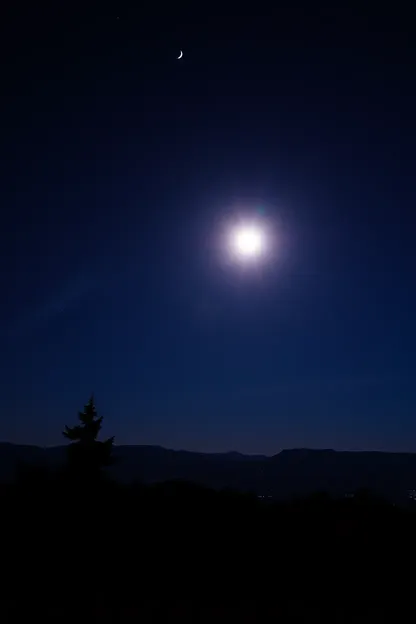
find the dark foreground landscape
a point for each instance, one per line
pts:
(180, 552)
(80, 541)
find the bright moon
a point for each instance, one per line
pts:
(248, 241)
(180, 55)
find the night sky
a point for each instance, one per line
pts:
(121, 167)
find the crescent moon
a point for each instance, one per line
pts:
(180, 55)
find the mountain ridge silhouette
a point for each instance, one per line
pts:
(288, 473)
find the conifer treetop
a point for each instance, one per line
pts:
(90, 426)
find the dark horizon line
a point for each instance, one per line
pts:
(263, 455)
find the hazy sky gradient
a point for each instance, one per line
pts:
(120, 169)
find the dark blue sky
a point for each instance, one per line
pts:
(120, 167)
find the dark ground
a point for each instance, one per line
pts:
(177, 552)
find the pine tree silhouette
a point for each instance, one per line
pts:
(87, 454)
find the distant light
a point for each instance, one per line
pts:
(248, 241)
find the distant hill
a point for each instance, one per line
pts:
(290, 473)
